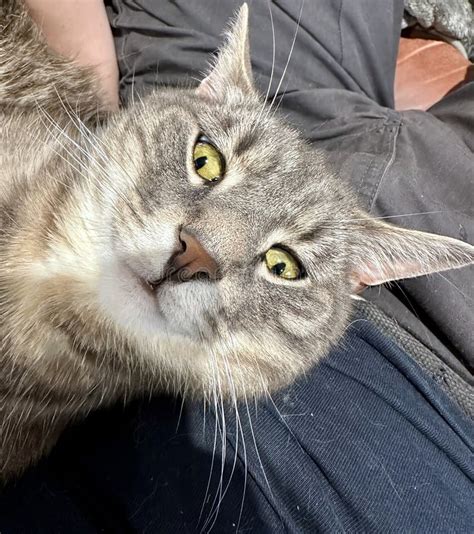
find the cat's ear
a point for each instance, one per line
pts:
(384, 252)
(232, 68)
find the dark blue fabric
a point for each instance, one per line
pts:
(366, 442)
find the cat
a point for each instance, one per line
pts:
(192, 242)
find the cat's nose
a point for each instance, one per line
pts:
(193, 261)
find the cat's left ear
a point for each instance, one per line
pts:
(383, 253)
(232, 69)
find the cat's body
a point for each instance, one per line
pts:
(93, 217)
(39, 393)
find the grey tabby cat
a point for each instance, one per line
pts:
(192, 243)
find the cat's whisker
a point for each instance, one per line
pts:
(183, 400)
(400, 215)
(103, 173)
(244, 451)
(205, 402)
(78, 170)
(223, 432)
(86, 178)
(349, 326)
(280, 100)
(405, 296)
(224, 447)
(289, 57)
(221, 490)
(61, 133)
(214, 448)
(121, 57)
(140, 98)
(239, 429)
(110, 157)
(467, 297)
(230, 380)
(132, 92)
(270, 398)
(256, 447)
(273, 64)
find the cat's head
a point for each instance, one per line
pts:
(221, 247)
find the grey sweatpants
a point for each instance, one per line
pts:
(417, 168)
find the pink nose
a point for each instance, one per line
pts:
(194, 260)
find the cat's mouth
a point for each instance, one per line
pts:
(173, 276)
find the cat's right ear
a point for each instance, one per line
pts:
(232, 69)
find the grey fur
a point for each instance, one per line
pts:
(91, 206)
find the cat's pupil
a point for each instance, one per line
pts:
(200, 162)
(279, 268)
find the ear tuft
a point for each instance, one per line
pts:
(384, 253)
(232, 68)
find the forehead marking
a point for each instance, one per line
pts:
(245, 142)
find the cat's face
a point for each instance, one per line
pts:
(278, 291)
(271, 250)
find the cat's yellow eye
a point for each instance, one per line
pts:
(281, 263)
(208, 161)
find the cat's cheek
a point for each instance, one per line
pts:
(125, 301)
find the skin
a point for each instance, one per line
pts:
(79, 30)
